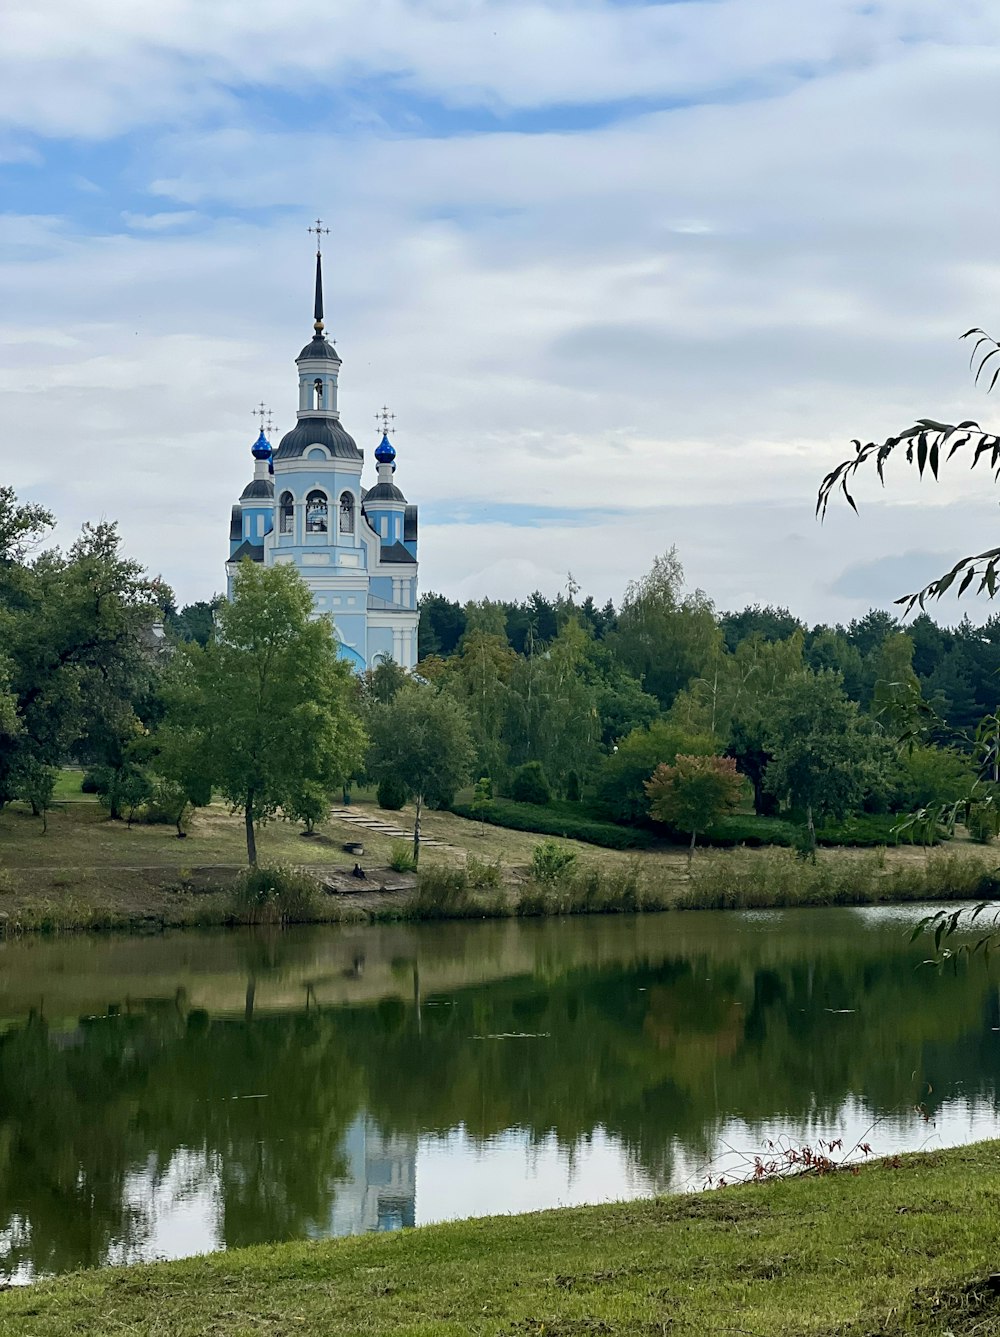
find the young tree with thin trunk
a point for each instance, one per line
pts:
(266, 708)
(36, 785)
(693, 793)
(422, 739)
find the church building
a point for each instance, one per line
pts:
(355, 547)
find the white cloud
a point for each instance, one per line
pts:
(686, 314)
(106, 65)
(159, 222)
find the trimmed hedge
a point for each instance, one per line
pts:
(744, 829)
(871, 829)
(862, 831)
(866, 830)
(557, 819)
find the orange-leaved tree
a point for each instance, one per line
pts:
(693, 793)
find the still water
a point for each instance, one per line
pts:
(171, 1095)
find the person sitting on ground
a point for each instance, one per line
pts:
(358, 871)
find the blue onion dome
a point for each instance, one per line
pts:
(261, 448)
(385, 452)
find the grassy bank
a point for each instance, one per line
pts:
(91, 873)
(903, 1247)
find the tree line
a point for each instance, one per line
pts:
(533, 699)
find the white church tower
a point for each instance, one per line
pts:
(356, 549)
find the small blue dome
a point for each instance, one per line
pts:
(385, 452)
(261, 448)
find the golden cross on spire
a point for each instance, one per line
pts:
(383, 420)
(320, 232)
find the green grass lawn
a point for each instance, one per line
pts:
(905, 1247)
(68, 782)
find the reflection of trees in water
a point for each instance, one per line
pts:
(78, 1121)
(658, 1053)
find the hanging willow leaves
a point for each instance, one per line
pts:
(926, 445)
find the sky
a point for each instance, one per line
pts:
(629, 275)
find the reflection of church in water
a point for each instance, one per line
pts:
(379, 1190)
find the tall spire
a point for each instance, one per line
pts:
(318, 305)
(320, 231)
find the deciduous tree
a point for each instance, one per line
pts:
(422, 738)
(693, 793)
(622, 778)
(824, 752)
(666, 637)
(266, 707)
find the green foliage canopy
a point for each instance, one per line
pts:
(694, 792)
(824, 752)
(621, 783)
(266, 710)
(421, 739)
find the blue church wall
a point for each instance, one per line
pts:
(257, 522)
(381, 587)
(379, 642)
(387, 524)
(351, 629)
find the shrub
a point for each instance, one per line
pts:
(391, 793)
(557, 820)
(983, 824)
(482, 797)
(483, 873)
(88, 785)
(530, 785)
(443, 893)
(550, 863)
(401, 857)
(573, 787)
(168, 805)
(532, 901)
(273, 895)
(122, 789)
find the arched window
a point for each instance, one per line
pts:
(316, 512)
(346, 513)
(318, 393)
(286, 513)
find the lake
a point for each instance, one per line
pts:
(175, 1094)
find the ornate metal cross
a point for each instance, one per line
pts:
(384, 419)
(320, 232)
(261, 412)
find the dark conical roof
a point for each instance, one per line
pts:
(317, 432)
(382, 492)
(319, 347)
(258, 489)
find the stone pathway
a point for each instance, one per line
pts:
(384, 828)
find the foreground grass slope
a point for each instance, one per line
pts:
(902, 1247)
